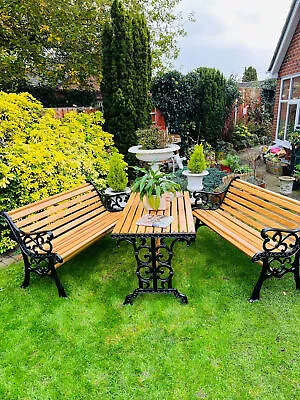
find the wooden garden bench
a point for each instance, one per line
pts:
(52, 231)
(263, 224)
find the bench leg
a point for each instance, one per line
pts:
(25, 283)
(60, 288)
(263, 276)
(296, 271)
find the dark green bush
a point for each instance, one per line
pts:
(213, 180)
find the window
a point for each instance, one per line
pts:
(289, 108)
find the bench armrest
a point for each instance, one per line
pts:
(33, 244)
(279, 243)
(114, 202)
(209, 200)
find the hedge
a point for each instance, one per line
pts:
(41, 155)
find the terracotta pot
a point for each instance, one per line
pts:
(225, 168)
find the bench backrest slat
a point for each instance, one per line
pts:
(50, 201)
(243, 211)
(78, 221)
(60, 213)
(91, 196)
(275, 198)
(248, 220)
(261, 210)
(58, 219)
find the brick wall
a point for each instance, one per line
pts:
(60, 112)
(158, 119)
(249, 96)
(289, 66)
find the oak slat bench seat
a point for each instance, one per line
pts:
(263, 224)
(52, 231)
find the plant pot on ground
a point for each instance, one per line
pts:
(117, 193)
(273, 164)
(230, 163)
(154, 187)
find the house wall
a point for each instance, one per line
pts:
(289, 66)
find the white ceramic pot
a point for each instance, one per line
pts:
(195, 182)
(154, 156)
(286, 184)
(118, 197)
(162, 204)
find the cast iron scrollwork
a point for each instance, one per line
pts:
(154, 265)
(114, 202)
(279, 243)
(207, 200)
(36, 248)
(37, 243)
(280, 256)
(210, 200)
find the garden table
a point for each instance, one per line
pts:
(153, 246)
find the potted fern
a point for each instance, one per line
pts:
(196, 170)
(154, 186)
(117, 180)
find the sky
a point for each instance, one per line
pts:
(230, 35)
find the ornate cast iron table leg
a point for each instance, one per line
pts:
(154, 270)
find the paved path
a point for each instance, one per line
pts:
(272, 181)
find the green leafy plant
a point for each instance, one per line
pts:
(213, 180)
(273, 158)
(243, 138)
(294, 138)
(152, 138)
(297, 171)
(153, 184)
(243, 169)
(232, 161)
(197, 163)
(117, 177)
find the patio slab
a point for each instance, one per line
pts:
(272, 181)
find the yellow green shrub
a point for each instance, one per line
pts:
(41, 155)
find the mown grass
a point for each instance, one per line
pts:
(90, 346)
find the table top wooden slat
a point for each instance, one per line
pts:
(189, 216)
(130, 214)
(182, 215)
(179, 208)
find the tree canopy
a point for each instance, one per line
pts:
(60, 42)
(250, 74)
(126, 75)
(195, 105)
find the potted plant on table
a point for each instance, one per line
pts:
(154, 146)
(154, 186)
(196, 170)
(117, 179)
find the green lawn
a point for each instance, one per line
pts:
(90, 346)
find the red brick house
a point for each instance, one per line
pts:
(285, 66)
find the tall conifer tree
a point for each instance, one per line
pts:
(126, 75)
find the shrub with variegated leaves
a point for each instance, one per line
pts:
(41, 155)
